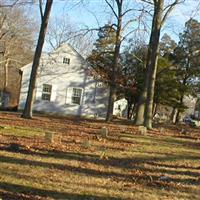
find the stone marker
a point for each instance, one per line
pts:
(49, 136)
(183, 131)
(162, 130)
(142, 130)
(104, 132)
(122, 128)
(86, 143)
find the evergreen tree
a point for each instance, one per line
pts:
(187, 60)
(101, 58)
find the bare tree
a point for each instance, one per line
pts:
(16, 44)
(61, 30)
(8, 4)
(160, 14)
(120, 12)
(27, 113)
(112, 95)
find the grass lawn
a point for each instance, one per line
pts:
(80, 164)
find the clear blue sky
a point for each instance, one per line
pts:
(82, 14)
(96, 11)
(85, 15)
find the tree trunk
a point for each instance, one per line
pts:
(181, 103)
(112, 94)
(6, 75)
(130, 109)
(27, 113)
(112, 97)
(155, 106)
(5, 97)
(173, 115)
(139, 118)
(177, 117)
(152, 61)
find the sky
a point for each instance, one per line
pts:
(95, 13)
(86, 15)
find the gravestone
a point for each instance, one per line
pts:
(86, 143)
(142, 130)
(49, 136)
(104, 132)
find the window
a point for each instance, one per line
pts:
(46, 92)
(66, 60)
(76, 96)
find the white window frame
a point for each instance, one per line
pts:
(66, 60)
(72, 95)
(46, 92)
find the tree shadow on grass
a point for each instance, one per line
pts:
(192, 144)
(133, 165)
(174, 166)
(27, 190)
(63, 167)
(124, 162)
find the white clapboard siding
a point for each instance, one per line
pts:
(64, 77)
(38, 93)
(53, 92)
(69, 95)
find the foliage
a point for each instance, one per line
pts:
(187, 56)
(101, 58)
(166, 92)
(187, 60)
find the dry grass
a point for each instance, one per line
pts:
(82, 165)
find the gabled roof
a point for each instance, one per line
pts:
(66, 45)
(63, 46)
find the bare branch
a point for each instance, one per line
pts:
(9, 5)
(127, 11)
(127, 23)
(41, 10)
(195, 11)
(169, 9)
(94, 15)
(148, 1)
(17, 2)
(111, 7)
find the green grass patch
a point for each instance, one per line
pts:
(21, 131)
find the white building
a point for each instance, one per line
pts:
(64, 85)
(120, 108)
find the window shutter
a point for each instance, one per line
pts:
(81, 96)
(69, 95)
(53, 93)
